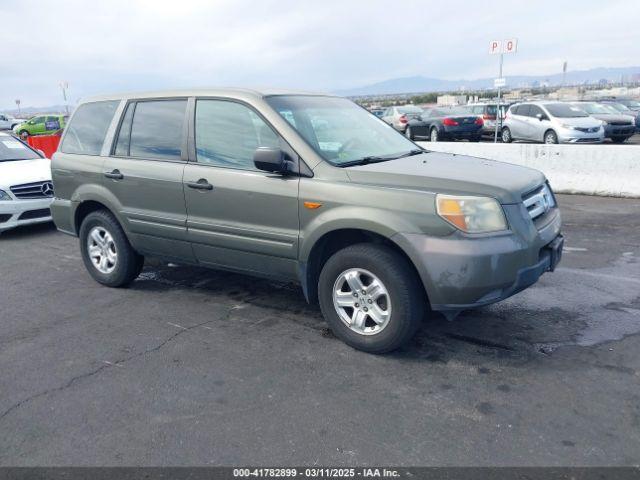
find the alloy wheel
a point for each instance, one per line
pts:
(102, 250)
(362, 301)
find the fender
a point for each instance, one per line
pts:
(97, 193)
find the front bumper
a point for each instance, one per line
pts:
(464, 271)
(619, 131)
(15, 213)
(576, 136)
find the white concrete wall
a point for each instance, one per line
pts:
(606, 170)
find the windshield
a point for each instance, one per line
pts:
(340, 131)
(562, 110)
(632, 103)
(619, 107)
(409, 109)
(593, 108)
(12, 149)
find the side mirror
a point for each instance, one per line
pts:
(271, 160)
(541, 117)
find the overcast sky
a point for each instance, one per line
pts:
(116, 45)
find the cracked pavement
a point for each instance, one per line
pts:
(197, 367)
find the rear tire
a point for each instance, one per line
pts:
(107, 254)
(408, 133)
(550, 137)
(506, 135)
(389, 305)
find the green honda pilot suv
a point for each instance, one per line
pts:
(305, 188)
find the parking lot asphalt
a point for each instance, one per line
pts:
(197, 367)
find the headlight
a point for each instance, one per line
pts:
(568, 127)
(471, 214)
(4, 196)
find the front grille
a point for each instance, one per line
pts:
(619, 123)
(33, 190)
(539, 201)
(31, 214)
(4, 217)
(588, 130)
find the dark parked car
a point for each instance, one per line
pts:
(617, 126)
(624, 110)
(439, 124)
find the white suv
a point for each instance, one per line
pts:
(26, 191)
(551, 122)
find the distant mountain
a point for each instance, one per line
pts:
(30, 111)
(421, 84)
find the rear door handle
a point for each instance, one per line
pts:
(114, 175)
(201, 184)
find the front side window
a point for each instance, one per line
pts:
(228, 134)
(86, 132)
(339, 130)
(535, 110)
(156, 130)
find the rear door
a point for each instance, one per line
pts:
(519, 123)
(239, 217)
(144, 173)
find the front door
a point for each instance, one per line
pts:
(145, 172)
(239, 217)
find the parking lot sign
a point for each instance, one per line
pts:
(495, 47)
(510, 46)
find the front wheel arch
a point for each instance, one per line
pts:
(336, 240)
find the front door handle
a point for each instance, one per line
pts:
(201, 184)
(114, 175)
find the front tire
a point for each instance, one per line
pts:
(23, 133)
(434, 136)
(107, 254)
(550, 137)
(371, 297)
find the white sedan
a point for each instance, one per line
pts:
(26, 191)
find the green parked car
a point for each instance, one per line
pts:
(41, 125)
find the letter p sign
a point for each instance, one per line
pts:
(495, 47)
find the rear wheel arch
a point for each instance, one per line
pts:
(85, 208)
(335, 240)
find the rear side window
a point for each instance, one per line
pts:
(86, 132)
(228, 133)
(155, 131)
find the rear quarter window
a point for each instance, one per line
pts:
(88, 128)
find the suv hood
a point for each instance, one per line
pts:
(18, 172)
(450, 173)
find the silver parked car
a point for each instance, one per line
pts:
(398, 117)
(551, 122)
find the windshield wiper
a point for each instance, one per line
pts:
(366, 161)
(415, 151)
(374, 159)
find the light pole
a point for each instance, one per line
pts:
(18, 104)
(64, 85)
